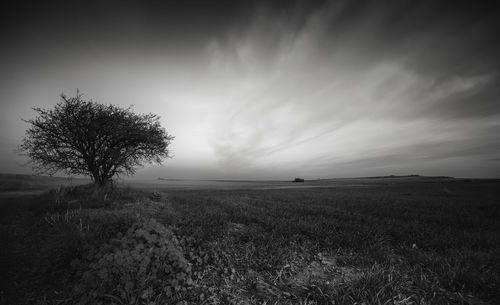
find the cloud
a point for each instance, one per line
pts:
(457, 85)
(296, 84)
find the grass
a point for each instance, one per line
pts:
(13, 182)
(403, 241)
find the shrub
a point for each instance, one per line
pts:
(145, 265)
(66, 236)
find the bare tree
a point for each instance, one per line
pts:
(88, 138)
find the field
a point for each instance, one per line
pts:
(388, 240)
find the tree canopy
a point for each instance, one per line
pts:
(87, 138)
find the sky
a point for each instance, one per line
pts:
(270, 89)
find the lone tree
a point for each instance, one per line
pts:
(88, 138)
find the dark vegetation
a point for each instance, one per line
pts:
(406, 241)
(12, 182)
(80, 137)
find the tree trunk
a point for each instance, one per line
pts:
(99, 182)
(102, 187)
(102, 182)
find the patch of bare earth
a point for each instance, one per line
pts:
(324, 270)
(292, 282)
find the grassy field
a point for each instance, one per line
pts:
(12, 185)
(412, 240)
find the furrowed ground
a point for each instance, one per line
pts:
(381, 241)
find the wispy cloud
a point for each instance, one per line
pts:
(291, 92)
